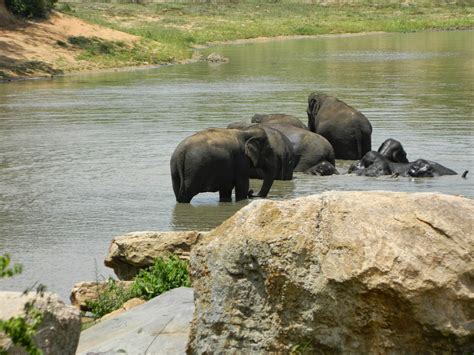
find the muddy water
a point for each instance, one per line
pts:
(86, 158)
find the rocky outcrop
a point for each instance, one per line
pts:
(59, 331)
(83, 292)
(216, 58)
(351, 272)
(134, 251)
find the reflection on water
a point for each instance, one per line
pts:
(86, 158)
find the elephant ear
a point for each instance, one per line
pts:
(252, 150)
(313, 104)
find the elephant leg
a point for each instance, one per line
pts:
(225, 195)
(242, 188)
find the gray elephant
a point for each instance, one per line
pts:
(283, 154)
(393, 151)
(218, 159)
(310, 149)
(279, 118)
(347, 129)
(375, 164)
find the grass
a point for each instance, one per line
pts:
(171, 31)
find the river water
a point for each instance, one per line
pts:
(86, 158)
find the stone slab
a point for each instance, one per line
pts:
(159, 326)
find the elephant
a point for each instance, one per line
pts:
(219, 159)
(284, 156)
(393, 151)
(375, 164)
(347, 129)
(309, 148)
(279, 118)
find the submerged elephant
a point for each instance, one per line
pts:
(375, 164)
(347, 129)
(218, 159)
(279, 118)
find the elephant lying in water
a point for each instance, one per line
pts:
(219, 159)
(375, 164)
(347, 129)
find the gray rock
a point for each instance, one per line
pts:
(341, 272)
(59, 331)
(134, 251)
(159, 326)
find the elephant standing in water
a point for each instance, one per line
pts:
(313, 153)
(347, 129)
(283, 154)
(218, 159)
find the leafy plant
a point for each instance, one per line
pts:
(109, 298)
(22, 329)
(165, 274)
(31, 8)
(5, 270)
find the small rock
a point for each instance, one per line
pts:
(138, 250)
(216, 58)
(83, 292)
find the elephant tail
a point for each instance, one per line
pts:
(178, 178)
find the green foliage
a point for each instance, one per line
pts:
(110, 298)
(165, 274)
(31, 8)
(21, 329)
(5, 271)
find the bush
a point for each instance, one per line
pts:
(31, 8)
(165, 274)
(112, 297)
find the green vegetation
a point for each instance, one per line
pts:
(179, 27)
(30, 8)
(21, 329)
(165, 274)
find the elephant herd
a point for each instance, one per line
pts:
(272, 147)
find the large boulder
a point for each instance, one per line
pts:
(137, 250)
(351, 272)
(59, 331)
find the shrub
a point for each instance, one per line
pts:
(165, 274)
(31, 8)
(112, 297)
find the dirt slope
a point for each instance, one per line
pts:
(36, 48)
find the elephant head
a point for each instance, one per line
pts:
(393, 151)
(260, 153)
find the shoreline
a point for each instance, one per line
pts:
(197, 48)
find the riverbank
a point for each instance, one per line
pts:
(97, 36)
